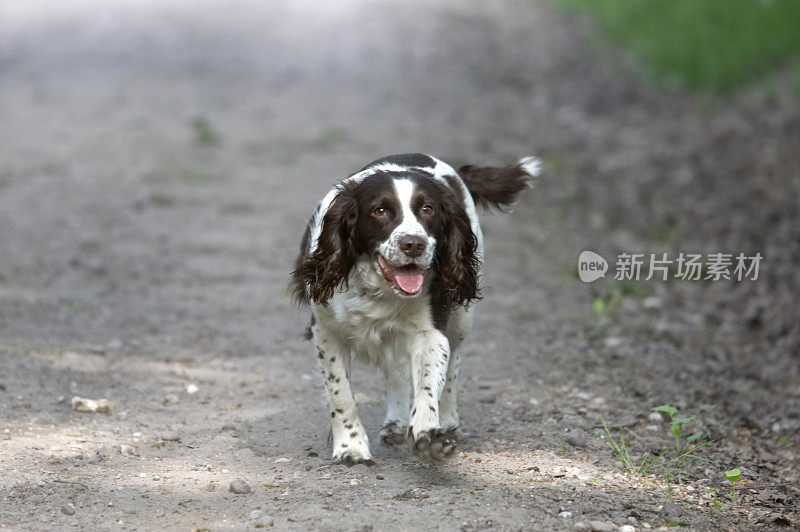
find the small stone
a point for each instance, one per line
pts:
(379, 477)
(96, 458)
(612, 341)
(602, 526)
(654, 417)
(127, 450)
(240, 487)
(228, 426)
(565, 515)
(170, 435)
(672, 509)
(487, 398)
(170, 399)
(577, 437)
(632, 520)
(192, 389)
(581, 527)
(354, 482)
(81, 404)
(626, 528)
(255, 514)
(264, 522)
(68, 509)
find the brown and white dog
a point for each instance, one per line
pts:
(390, 262)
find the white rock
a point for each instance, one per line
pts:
(264, 522)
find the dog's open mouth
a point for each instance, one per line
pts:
(406, 279)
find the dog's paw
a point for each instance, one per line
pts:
(349, 461)
(350, 457)
(352, 449)
(435, 445)
(392, 434)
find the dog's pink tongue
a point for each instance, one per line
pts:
(409, 281)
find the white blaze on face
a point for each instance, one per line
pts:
(405, 273)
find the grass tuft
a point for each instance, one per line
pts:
(707, 45)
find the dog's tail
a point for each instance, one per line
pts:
(500, 187)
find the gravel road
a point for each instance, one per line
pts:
(159, 160)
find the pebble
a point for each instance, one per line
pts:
(192, 389)
(68, 509)
(127, 450)
(240, 487)
(170, 436)
(626, 528)
(577, 437)
(672, 509)
(632, 520)
(82, 404)
(264, 522)
(565, 515)
(654, 417)
(96, 458)
(255, 514)
(602, 526)
(487, 398)
(581, 527)
(228, 426)
(170, 399)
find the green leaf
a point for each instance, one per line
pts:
(677, 523)
(671, 410)
(733, 475)
(683, 420)
(695, 436)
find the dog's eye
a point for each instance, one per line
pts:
(380, 212)
(426, 210)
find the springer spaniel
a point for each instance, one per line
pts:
(390, 262)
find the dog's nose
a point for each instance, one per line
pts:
(412, 246)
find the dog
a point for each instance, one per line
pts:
(390, 264)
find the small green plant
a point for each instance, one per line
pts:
(204, 133)
(620, 452)
(718, 504)
(671, 468)
(733, 476)
(676, 427)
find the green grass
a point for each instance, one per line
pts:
(707, 45)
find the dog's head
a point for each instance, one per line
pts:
(407, 225)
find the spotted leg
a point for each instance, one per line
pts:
(459, 325)
(398, 403)
(429, 360)
(350, 442)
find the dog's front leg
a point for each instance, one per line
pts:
(350, 442)
(429, 357)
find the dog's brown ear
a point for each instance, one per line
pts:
(499, 187)
(319, 273)
(458, 262)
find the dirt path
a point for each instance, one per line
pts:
(157, 167)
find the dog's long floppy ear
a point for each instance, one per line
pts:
(458, 262)
(319, 273)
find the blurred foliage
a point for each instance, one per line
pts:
(707, 45)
